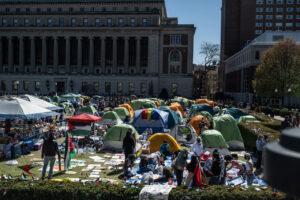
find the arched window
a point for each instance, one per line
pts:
(175, 61)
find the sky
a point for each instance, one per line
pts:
(204, 14)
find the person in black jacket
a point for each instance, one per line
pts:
(191, 168)
(215, 171)
(128, 144)
(49, 151)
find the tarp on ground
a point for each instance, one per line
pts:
(88, 109)
(113, 139)
(122, 112)
(235, 113)
(201, 107)
(142, 103)
(184, 134)
(196, 120)
(213, 139)
(227, 126)
(40, 102)
(175, 106)
(173, 118)
(248, 118)
(155, 119)
(158, 139)
(111, 118)
(129, 108)
(205, 101)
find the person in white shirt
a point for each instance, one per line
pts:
(197, 147)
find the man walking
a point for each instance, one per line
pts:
(49, 151)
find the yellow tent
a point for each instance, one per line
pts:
(176, 106)
(201, 101)
(196, 120)
(157, 139)
(129, 108)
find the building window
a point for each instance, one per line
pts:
(49, 22)
(174, 88)
(145, 22)
(298, 9)
(132, 21)
(279, 9)
(59, 9)
(7, 10)
(258, 24)
(269, 9)
(178, 39)
(48, 10)
(37, 86)
(289, 16)
(289, 24)
(15, 85)
(298, 17)
(298, 24)
(131, 87)
(96, 86)
(289, 9)
(70, 9)
(259, 2)
(26, 22)
(143, 88)
(81, 9)
(18, 10)
(125, 8)
(136, 9)
(258, 32)
(280, 2)
(269, 24)
(27, 9)
(107, 87)
(259, 9)
(119, 87)
(279, 17)
(73, 22)
(290, 2)
(4, 22)
(269, 17)
(84, 86)
(278, 24)
(61, 22)
(38, 22)
(85, 22)
(97, 22)
(3, 85)
(257, 55)
(16, 22)
(115, 9)
(92, 9)
(121, 21)
(147, 9)
(298, 1)
(270, 2)
(259, 17)
(38, 10)
(25, 85)
(103, 9)
(109, 22)
(175, 62)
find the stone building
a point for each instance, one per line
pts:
(95, 47)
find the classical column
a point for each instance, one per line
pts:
(1, 55)
(21, 53)
(32, 53)
(79, 52)
(67, 38)
(126, 53)
(10, 54)
(103, 52)
(138, 54)
(55, 54)
(44, 54)
(91, 56)
(115, 54)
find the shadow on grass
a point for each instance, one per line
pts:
(59, 174)
(115, 172)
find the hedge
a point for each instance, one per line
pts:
(47, 190)
(250, 135)
(277, 111)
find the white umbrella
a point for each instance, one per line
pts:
(20, 109)
(40, 102)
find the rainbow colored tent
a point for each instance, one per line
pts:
(152, 118)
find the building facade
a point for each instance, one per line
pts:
(241, 67)
(244, 20)
(108, 47)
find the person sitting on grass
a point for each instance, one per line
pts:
(164, 149)
(144, 165)
(166, 175)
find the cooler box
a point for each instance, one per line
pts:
(37, 146)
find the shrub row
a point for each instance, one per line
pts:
(39, 190)
(277, 111)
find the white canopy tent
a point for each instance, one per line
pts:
(16, 108)
(40, 102)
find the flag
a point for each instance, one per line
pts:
(26, 169)
(197, 177)
(72, 152)
(76, 128)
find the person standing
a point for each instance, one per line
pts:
(191, 168)
(128, 144)
(49, 151)
(260, 143)
(216, 169)
(197, 147)
(249, 169)
(179, 164)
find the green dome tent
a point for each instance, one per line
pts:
(213, 139)
(248, 118)
(142, 103)
(230, 131)
(122, 112)
(205, 114)
(113, 139)
(55, 99)
(71, 95)
(162, 102)
(88, 109)
(111, 118)
(173, 118)
(201, 107)
(68, 108)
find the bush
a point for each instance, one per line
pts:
(249, 132)
(38, 190)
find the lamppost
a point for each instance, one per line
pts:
(289, 92)
(17, 87)
(276, 92)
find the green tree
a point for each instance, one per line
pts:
(280, 69)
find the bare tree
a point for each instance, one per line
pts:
(211, 53)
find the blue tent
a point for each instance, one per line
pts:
(235, 113)
(201, 107)
(156, 119)
(173, 118)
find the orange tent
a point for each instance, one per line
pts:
(157, 104)
(129, 108)
(201, 101)
(196, 120)
(176, 106)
